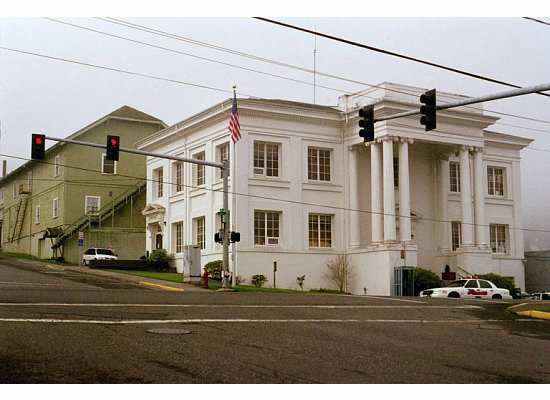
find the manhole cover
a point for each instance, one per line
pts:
(168, 331)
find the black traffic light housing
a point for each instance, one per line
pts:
(218, 237)
(113, 145)
(38, 146)
(428, 110)
(366, 123)
(235, 237)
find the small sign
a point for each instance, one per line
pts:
(80, 242)
(80, 235)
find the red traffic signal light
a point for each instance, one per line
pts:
(113, 145)
(38, 146)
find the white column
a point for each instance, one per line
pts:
(376, 192)
(404, 192)
(479, 200)
(389, 194)
(353, 199)
(443, 204)
(466, 197)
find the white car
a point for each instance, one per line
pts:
(469, 289)
(96, 253)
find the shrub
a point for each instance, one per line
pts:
(425, 279)
(214, 269)
(239, 280)
(258, 280)
(340, 272)
(160, 259)
(499, 280)
(300, 281)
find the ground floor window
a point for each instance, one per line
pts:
(498, 238)
(200, 239)
(178, 237)
(456, 235)
(266, 228)
(320, 230)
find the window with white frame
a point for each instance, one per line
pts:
(454, 177)
(320, 230)
(199, 227)
(222, 154)
(55, 208)
(158, 182)
(92, 204)
(177, 174)
(456, 235)
(266, 159)
(108, 166)
(199, 177)
(37, 215)
(318, 164)
(56, 166)
(178, 236)
(266, 228)
(498, 234)
(495, 181)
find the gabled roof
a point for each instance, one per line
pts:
(125, 113)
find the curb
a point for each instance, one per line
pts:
(534, 314)
(162, 287)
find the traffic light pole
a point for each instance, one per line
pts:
(224, 167)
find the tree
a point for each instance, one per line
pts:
(339, 272)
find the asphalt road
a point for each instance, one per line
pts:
(59, 326)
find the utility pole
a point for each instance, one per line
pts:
(225, 173)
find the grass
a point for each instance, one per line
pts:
(163, 276)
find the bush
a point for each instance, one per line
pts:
(340, 272)
(258, 280)
(214, 269)
(239, 280)
(499, 280)
(425, 279)
(160, 259)
(300, 281)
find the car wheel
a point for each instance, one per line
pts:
(454, 295)
(497, 297)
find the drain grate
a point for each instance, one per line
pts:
(169, 331)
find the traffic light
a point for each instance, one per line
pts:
(218, 237)
(366, 123)
(113, 145)
(38, 146)
(428, 110)
(235, 237)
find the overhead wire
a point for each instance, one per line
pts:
(329, 206)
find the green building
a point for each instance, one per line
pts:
(45, 204)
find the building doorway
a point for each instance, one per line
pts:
(158, 241)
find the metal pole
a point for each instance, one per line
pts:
(225, 171)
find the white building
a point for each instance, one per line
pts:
(308, 189)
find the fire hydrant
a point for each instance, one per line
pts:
(205, 280)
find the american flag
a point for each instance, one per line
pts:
(234, 124)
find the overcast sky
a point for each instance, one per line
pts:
(56, 98)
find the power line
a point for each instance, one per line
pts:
(391, 53)
(540, 21)
(157, 32)
(435, 220)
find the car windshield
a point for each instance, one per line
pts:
(459, 283)
(105, 252)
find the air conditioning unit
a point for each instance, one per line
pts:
(258, 171)
(272, 241)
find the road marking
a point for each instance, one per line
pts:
(162, 287)
(241, 320)
(393, 299)
(355, 306)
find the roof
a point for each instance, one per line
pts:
(125, 112)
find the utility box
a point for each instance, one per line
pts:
(192, 263)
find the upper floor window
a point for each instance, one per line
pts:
(158, 182)
(454, 177)
(178, 237)
(456, 235)
(320, 230)
(498, 237)
(178, 177)
(495, 181)
(318, 164)
(56, 166)
(266, 228)
(199, 177)
(37, 215)
(222, 154)
(92, 204)
(266, 159)
(55, 208)
(200, 238)
(107, 166)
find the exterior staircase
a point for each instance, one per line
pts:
(104, 213)
(19, 216)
